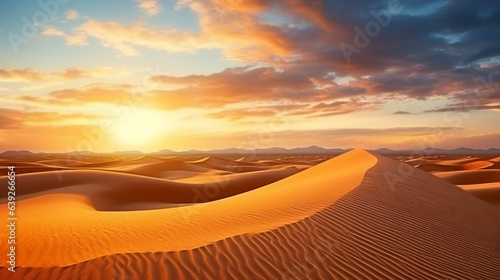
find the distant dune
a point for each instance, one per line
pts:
(479, 176)
(355, 216)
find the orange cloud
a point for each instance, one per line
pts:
(244, 6)
(15, 75)
(150, 7)
(233, 85)
(93, 94)
(99, 93)
(313, 11)
(8, 122)
(77, 39)
(236, 28)
(30, 76)
(237, 85)
(233, 26)
(126, 39)
(15, 119)
(301, 95)
(305, 110)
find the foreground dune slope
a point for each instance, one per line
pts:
(109, 191)
(69, 227)
(353, 217)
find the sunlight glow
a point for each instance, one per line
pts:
(141, 126)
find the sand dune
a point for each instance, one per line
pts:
(494, 159)
(218, 163)
(478, 176)
(110, 190)
(470, 177)
(489, 192)
(435, 164)
(340, 219)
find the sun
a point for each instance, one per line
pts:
(140, 127)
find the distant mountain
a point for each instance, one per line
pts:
(16, 153)
(436, 151)
(82, 153)
(311, 150)
(128, 153)
(317, 150)
(275, 151)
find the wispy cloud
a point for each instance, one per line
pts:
(78, 38)
(72, 14)
(150, 7)
(127, 39)
(16, 119)
(52, 31)
(38, 79)
(28, 75)
(402, 113)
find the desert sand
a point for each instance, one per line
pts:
(355, 216)
(479, 176)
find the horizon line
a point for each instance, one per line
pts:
(227, 150)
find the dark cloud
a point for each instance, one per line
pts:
(246, 84)
(463, 108)
(402, 113)
(426, 52)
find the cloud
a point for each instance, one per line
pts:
(52, 31)
(317, 95)
(77, 39)
(231, 94)
(38, 79)
(150, 7)
(293, 50)
(72, 14)
(412, 56)
(96, 93)
(8, 123)
(127, 39)
(285, 109)
(15, 75)
(17, 119)
(338, 108)
(463, 108)
(237, 31)
(485, 96)
(243, 114)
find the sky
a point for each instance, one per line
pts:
(148, 75)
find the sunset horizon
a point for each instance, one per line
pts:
(309, 150)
